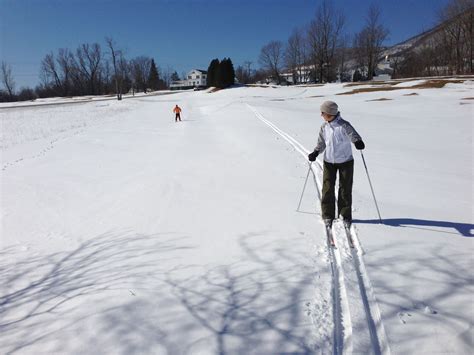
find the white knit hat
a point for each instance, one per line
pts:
(329, 107)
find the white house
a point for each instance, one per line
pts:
(303, 75)
(195, 78)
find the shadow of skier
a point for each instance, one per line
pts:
(465, 229)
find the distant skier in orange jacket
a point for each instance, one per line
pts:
(177, 110)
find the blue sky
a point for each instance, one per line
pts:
(183, 34)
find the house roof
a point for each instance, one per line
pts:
(200, 70)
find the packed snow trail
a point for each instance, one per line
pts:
(377, 329)
(364, 306)
(357, 318)
(342, 334)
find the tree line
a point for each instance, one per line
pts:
(448, 50)
(322, 51)
(89, 70)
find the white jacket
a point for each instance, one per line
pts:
(335, 140)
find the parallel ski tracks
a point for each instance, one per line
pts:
(351, 291)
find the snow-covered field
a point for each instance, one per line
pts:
(123, 232)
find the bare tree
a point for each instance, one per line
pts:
(106, 77)
(66, 63)
(117, 57)
(360, 55)
(342, 55)
(89, 60)
(140, 70)
(7, 79)
(323, 36)
(271, 58)
(466, 9)
(56, 72)
(247, 66)
(50, 71)
(295, 55)
(458, 19)
(166, 75)
(243, 73)
(369, 41)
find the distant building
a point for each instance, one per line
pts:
(196, 78)
(302, 75)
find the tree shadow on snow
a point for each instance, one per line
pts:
(423, 294)
(43, 297)
(134, 293)
(253, 306)
(465, 229)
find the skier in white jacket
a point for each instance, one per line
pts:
(335, 138)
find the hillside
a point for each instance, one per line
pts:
(431, 36)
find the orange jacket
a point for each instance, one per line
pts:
(177, 109)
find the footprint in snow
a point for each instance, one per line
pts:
(405, 315)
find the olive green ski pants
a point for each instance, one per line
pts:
(344, 200)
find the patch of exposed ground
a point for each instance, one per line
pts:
(437, 84)
(359, 91)
(412, 94)
(428, 84)
(381, 99)
(372, 83)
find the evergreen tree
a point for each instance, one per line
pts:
(221, 74)
(213, 73)
(226, 75)
(231, 73)
(220, 80)
(153, 78)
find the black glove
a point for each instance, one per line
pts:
(359, 145)
(312, 156)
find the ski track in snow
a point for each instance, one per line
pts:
(357, 320)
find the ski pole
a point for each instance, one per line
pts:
(304, 186)
(371, 188)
